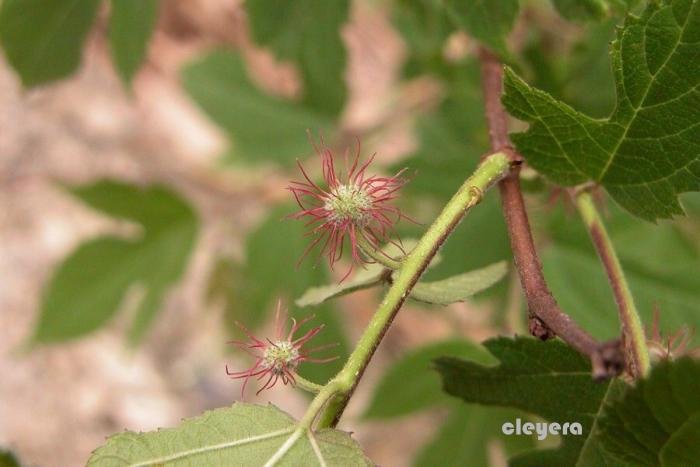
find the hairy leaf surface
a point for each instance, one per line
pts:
(543, 378)
(242, 435)
(658, 421)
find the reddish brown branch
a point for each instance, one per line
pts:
(546, 317)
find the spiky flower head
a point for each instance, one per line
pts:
(280, 357)
(675, 345)
(347, 205)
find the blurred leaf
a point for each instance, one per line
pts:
(43, 39)
(580, 76)
(657, 422)
(8, 459)
(479, 240)
(460, 287)
(543, 378)
(660, 263)
(307, 32)
(244, 434)
(467, 435)
(582, 10)
(270, 273)
(646, 153)
(262, 127)
(130, 29)
(592, 10)
(87, 288)
(411, 384)
(451, 140)
(425, 27)
(487, 21)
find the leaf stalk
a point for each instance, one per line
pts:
(632, 329)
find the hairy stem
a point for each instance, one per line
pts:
(546, 318)
(337, 393)
(633, 331)
(307, 385)
(377, 254)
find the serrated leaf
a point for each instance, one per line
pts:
(460, 287)
(262, 128)
(130, 28)
(241, 435)
(648, 151)
(271, 272)
(307, 32)
(543, 378)
(89, 285)
(658, 421)
(488, 21)
(43, 39)
(418, 382)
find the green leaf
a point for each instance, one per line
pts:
(368, 277)
(8, 459)
(466, 436)
(544, 378)
(578, 10)
(666, 279)
(411, 384)
(425, 27)
(460, 287)
(658, 421)
(580, 75)
(43, 39)
(270, 273)
(488, 21)
(262, 128)
(87, 288)
(596, 10)
(130, 29)
(242, 435)
(453, 289)
(451, 140)
(648, 151)
(307, 32)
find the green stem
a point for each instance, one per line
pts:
(376, 254)
(339, 390)
(633, 331)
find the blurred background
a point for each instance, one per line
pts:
(145, 148)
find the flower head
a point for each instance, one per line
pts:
(278, 358)
(671, 346)
(347, 205)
